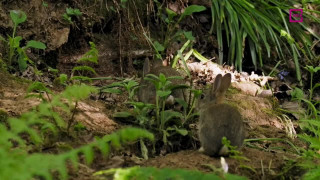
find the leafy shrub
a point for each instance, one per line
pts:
(310, 125)
(70, 12)
(168, 124)
(170, 24)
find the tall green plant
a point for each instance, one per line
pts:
(169, 26)
(17, 53)
(261, 24)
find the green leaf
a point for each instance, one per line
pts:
(191, 9)
(169, 115)
(63, 78)
(88, 154)
(162, 78)
(16, 41)
(159, 47)
(22, 62)
(84, 68)
(199, 56)
(171, 14)
(38, 86)
(36, 44)
(297, 93)
(189, 35)
(90, 56)
(163, 93)
(18, 17)
(122, 114)
(78, 92)
(182, 102)
(181, 131)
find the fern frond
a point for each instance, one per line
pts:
(91, 55)
(84, 68)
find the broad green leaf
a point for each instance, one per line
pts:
(159, 47)
(36, 44)
(181, 131)
(18, 16)
(22, 62)
(191, 9)
(188, 35)
(16, 42)
(182, 102)
(163, 93)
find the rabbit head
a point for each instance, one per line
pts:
(216, 93)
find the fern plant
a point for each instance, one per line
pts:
(67, 101)
(83, 71)
(18, 164)
(21, 136)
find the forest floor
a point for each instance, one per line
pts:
(264, 159)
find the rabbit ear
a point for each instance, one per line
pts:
(216, 84)
(225, 83)
(146, 67)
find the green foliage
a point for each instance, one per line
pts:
(91, 55)
(167, 123)
(233, 152)
(145, 173)
(29, 132)
(70, 12)
(169, 27)
(310, 125)
(259, 23)
(73, 94)
(17, 163)
(17, 54)
(89, 59)
(128, 85)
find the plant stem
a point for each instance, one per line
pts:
(70, 122)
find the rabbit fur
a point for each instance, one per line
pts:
(218, 119)
(147, 91)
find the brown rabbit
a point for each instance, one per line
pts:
(218, 120)
(147, 91)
